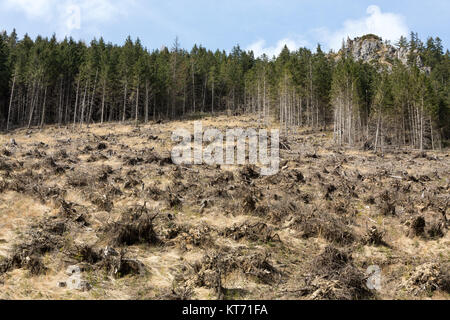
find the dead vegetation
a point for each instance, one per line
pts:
(42, 238)
(135, 227)
(259, 232)
(330, 226)
(428, 278)
(336, 278)
(215, 267)
(110, 201)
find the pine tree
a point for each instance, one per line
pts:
(126, 67)
(4, 76)
(45, 81)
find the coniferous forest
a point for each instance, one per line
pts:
(68, 83)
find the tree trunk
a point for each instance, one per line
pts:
(204, 94)
(311, 95)
(33, 103)
(103, 101)
(193, 86)
(421, 127)
(432, 137)
(91, 107)
(378, 132)
(10, 103)
(76, 105)
(184, 99)
(146, 101)
(264, 101)
(83, 105)
(154, 107)
(212, 108)
(66, 108)
(125, 101)
(43, 108)
(60, 102)
(137, 104)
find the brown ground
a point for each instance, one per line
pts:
(109, 200)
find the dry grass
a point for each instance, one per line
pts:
(201, 232)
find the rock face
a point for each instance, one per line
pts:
(371, 48)
(367, 50)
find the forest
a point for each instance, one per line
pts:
(71, 83)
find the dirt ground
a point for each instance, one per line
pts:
(108, 200)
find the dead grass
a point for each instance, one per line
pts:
(109, 200)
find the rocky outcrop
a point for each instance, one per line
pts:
(371, 48)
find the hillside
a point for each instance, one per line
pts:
(47, 82)
(103, 213)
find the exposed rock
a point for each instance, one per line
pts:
(371, 48)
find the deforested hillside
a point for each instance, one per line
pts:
(94, 203)
(103, 213)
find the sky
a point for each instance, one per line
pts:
(263, 26)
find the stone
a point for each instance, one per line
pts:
(371, 48)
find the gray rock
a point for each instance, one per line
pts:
(371, 49)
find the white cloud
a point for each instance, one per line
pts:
(31, 8)
(389, 26)
(259, 47)
(101, 10)
(69, 15)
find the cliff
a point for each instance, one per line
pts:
(372, 49)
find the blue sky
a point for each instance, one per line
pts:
(262, 25)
